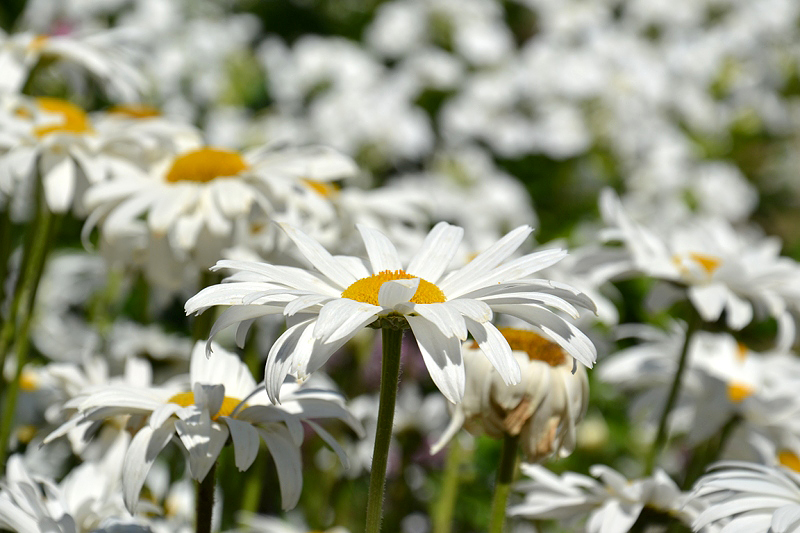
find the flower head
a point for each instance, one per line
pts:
(326, 308)
(220, 400)
(543, 409)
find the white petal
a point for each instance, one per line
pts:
(58, 175)
(456, 422)
(281, 356)
(320, 258)
(143, 450)
(446, 317)
(709, 300)
(491, 257)
(496, 349)
(330, 441)
(203, 440)
(287, 461)
(442, 357)
(397, 292)
(343, 318)
(382, 253)
(236, 314)
(436, 252)
(245, 442)
(739, 312)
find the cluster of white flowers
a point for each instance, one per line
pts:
(385, 168)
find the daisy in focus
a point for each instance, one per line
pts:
(324, 309)
(220, 400)
(746, 497)
(543, 409)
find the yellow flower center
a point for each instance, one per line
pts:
(38, 43)
(322, 188)
(366, 289)
(73, 118)
(537, 347)
(185, 399)
(28, 381)
(205, 165)
(739, 392)
(134, 111)
(741, 352)
(789, 460)
(708, 263)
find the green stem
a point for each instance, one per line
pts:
(672, 398)
(28, 286)
(390, 376)
(5, 254)
(502, 488)
(442, 512)
(205, 501)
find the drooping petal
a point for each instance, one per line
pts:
(281, 355)
(245, 442)
(442, 357)
(446, 317)
(143, 450)
(287, 462)
(496, 349)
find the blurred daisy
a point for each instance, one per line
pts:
(746, 497)
(325, 310)
(87, 499)
(189, 207)
(106, 55)
(723, 270)
(543, 408)
(222, 401)
(53, 140)
(612, 502)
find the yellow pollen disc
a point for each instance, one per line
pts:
(73, 118)
(741, 352)
(205, 165)
(322, 188)
(366, 289)
(789, 460)
(25, 434)
(708, 262)
(537, 347)
(38, 43)
(28, 381)
(739, 392)
(134, 111)
(185, 399)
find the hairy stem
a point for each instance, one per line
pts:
(390, 374)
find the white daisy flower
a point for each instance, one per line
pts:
(222, 400)
(723, 270)
(189, 207)
(745, 497)
(543, 409)
(88, 499)
(106, 55)
(612, 502)
(325, 309)
(52, 140)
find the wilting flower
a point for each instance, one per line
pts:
(325, 309)
(748, 497)
(222, 400)
(543, 408)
